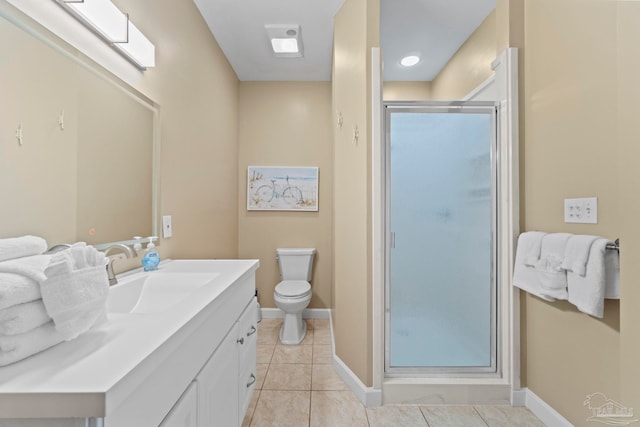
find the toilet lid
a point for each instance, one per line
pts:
(293, 288)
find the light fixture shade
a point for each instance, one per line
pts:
(286, 40)
(410, 61)
(113, 26)
(138, 48)
(103, 16)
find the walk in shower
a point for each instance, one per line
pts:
(440, 293)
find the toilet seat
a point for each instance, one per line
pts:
(293, 289)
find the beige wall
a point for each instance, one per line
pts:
(406, 91)
(197, 91)
(571, 146)
(356, 30)
(286, 124)
(471, 64)
(628, 91)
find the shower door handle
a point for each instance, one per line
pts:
(393, 240)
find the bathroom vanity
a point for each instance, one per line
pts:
(178, 349)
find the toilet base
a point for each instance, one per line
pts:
(293, 329)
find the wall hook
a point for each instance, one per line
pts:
(356, 134)
(61, 120)
(340, 120)
(19, 134)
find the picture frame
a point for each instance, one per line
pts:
(282, 188)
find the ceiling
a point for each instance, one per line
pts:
(433, 29)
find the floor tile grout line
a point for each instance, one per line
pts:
(424, 416)
(480, 415)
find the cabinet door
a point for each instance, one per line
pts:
(218, 385)
(185, 412)
(247, 328)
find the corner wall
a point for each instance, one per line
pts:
(356, 31)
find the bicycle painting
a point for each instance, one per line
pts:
(282, 188)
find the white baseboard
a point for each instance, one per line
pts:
(541, 409)
(309, 313)
(369, 396)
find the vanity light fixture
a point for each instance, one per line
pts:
(114, 27)
(286, 40)
(409, 61)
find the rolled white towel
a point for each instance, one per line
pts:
(76, 289)
(577, 253)
(588, 292)
(533, 242)
(21, 318)
(525, 276)
(553, 279)
(19, 279)
(17, 347)
(19, 247)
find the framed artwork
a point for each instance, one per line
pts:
(282, 188)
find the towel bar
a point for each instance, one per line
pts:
(614, 246)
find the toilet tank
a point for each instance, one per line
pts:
(295, 263)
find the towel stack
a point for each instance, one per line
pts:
(46, 299)
(563, 266)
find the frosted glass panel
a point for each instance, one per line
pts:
(440, 295)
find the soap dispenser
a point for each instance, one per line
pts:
(151, 258)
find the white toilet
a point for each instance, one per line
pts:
(293, 293)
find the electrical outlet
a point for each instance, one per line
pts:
(581, 211)
(167, 230)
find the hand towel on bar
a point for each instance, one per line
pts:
(553, 279)
(576, 253)
(75, 290)
(587, 292)
(526, 277)
(21, 318)
(19, 247)
(19, 279)
(17, 347)
(533, 253)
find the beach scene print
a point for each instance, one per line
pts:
(281, 188)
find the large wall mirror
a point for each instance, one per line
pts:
(78, 153)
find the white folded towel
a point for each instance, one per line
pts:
(17, 347)
(75, 290)
(19, 247)
(534, 247)
(526, 277)
(611, 274)
(577, 253)
(588, 292)
(553, 279)
(19, 279)
(21, 318)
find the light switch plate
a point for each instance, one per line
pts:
(581, 211)
(167, 230)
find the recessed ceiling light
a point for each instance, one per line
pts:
(286, 40)
(409, 61)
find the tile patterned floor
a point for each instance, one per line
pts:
(297, 386)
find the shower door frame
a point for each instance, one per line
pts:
(484, 107)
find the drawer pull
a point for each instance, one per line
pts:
(252, 381)
(252, 331)
(240, 340)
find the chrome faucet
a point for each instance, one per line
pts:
(124, 249)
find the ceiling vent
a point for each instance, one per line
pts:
(285, 40)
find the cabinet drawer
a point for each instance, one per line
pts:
(248, 329)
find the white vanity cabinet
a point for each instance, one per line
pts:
(228, 378)
(184, 413)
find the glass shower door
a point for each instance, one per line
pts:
(441, 298)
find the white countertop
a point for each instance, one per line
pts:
(87, 368)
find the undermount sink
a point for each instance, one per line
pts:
(154, 292)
